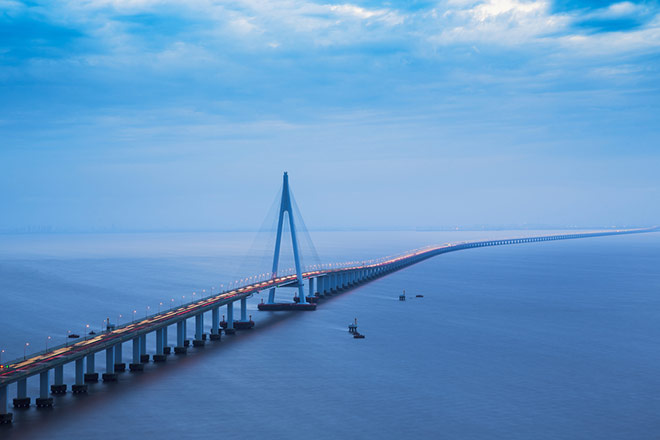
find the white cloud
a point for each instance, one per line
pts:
(304, 25)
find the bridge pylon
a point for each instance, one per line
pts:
(286, 207)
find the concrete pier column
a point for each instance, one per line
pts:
(136, 350)
(230, 315)
(180, 348)
(160, 346)
(91, 375)
(21, 388)
(119, 355)
(59, 375)
(136, 365)
(215, 321)
(5, 416)
(58, 386)
(180, 335)
(44, 380)
(144, 357)
(230, 318)
(311, 286)
(110, 375)
(244, 309)
(44, 401)
(21, 400)
(215, 324)
(79, 387)
(166, 346)
(159, 341)
(199, 330)
(91, 363)
(119, 358)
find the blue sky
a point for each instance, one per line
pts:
(155, 114)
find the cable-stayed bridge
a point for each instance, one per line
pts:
(311, 285)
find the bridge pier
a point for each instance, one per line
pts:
(318, 290)
(160, 346)
(110, 375)
(311, 290)
(180, 337)
(21, 400)
(215, 324)
(144, 357)
(5, 415)
(79, 386)
(136, 365)
(91, 375)
(199, 330)
(243, 309)
(244, 323)
(44, 401)
(119, 361)
(58, 387)
(166, 346)
(230, 319)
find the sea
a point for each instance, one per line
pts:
(548, 340)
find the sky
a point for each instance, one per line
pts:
(120, 115)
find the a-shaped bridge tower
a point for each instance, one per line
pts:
(286, 214)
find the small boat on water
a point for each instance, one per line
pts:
(352, 328)
(74, 336)
(419, 296)
(357, 335)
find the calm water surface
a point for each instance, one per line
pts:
(555, 340)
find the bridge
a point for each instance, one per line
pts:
(321, 282)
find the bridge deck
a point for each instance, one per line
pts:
(44, 361)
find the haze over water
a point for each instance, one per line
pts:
(541, 340)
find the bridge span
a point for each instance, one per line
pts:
(320, 283)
